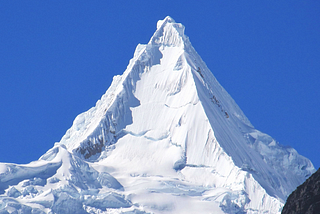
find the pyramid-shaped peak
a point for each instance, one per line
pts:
(168, 19)
(165, 129)
(169, 33)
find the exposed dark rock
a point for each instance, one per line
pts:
(306, 198)
(90, 149)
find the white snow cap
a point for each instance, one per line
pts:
(168, 33)
(166, 137)
(168, 19)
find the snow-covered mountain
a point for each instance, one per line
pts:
(164, 138)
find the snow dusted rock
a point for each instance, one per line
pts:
(164, 138)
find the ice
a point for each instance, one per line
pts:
(29, 190)
(9, 205)
(107, 180)
(64, 203)
(16, 173)
(104, 201)
(13, 192)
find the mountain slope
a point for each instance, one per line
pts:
(165, 138)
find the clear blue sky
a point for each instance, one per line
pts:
(58, 57)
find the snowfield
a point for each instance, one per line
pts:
(165, 138)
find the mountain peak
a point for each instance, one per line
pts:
(165, 138)
(168, 19)
(168, 33)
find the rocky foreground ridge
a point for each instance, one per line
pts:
(306, 198)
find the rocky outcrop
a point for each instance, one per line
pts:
(306, 198)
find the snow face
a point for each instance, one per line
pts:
(164, 138)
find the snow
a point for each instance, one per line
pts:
(165, 138)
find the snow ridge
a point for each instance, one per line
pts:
(166, 137)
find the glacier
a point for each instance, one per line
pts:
(166, 137)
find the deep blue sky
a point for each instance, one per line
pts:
(58, 57)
